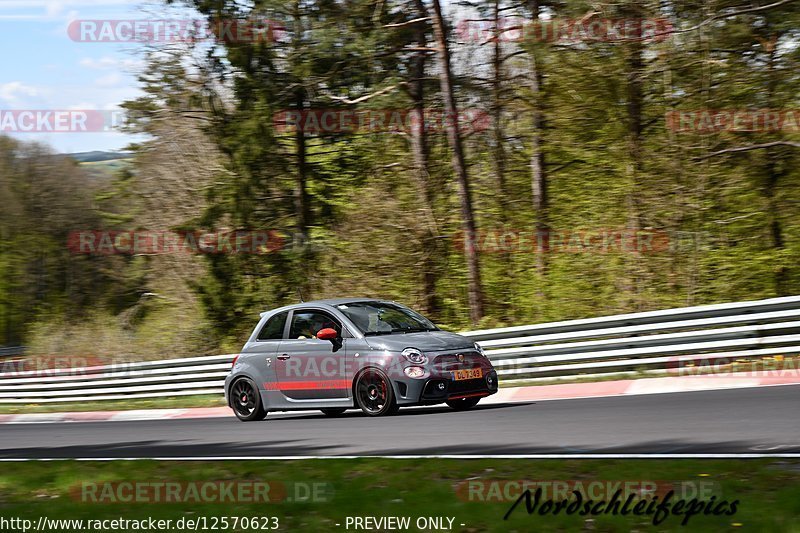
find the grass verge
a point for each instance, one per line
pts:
(768, 491)
(177, 402)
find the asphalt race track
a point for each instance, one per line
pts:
(756, 420)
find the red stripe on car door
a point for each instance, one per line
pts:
(325, 384)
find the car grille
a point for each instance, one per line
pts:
(466, 385)
(458, 387)
(449, 362)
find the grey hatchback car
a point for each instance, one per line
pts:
(334, 355)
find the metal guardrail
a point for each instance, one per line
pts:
(11, 351)
(149, 379)
(652, 342)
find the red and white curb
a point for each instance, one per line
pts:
(568, 391)
(118, 416)
(634, 387)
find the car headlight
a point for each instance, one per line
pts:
(415, 356)
(479, 349)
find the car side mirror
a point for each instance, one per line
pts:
(327, 334)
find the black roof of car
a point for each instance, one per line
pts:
(328, 301)
(338, 301)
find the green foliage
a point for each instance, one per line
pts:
(767, 491)
(44, 198)
(358, 218)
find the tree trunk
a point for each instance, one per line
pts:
(301, 200)
(475, 288)
(499, 158)
(537, 161)
(421, 154)
(302, 207)
(773, 174)
(634, 72)
(497, 115)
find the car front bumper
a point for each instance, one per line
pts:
(442, 388)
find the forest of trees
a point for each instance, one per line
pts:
(674, 125)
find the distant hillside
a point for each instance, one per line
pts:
(103, 165)
(98, 155)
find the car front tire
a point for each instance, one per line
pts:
(374, 393)
(463, 404)
(246, 400)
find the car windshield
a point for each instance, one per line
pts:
(384, 318)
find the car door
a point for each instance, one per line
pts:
(308, 368)
(261, 352)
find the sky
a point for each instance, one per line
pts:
(46, 67)
(43, 68)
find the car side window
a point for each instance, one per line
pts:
(306, 324)
(273, 329)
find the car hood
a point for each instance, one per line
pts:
(427, 341)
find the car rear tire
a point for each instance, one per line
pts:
(246, 400)
(374, 393)
(333, 411)
(462, 404)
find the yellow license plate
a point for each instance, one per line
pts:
(474, 373)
